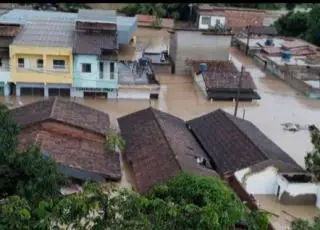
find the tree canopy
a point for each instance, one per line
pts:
(304, 25)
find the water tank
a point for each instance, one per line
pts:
(203, 67)
(286, 55)
(143, 61)
(269, 42)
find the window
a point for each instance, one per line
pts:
(40, 63)
(59, 64)
(0, 62)
(205, 21)
(20, 62)
(111, 70)
(86, 68)
(218, 22)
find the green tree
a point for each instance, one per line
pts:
(290, 6)
(300, 224)
(292, 24)
(312, 159)
(25, 173)
(115, 142)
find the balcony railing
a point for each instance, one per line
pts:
(4, 68)
(40, 68)
(102, 81)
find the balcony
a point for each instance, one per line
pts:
(40, 69)
(103, 80)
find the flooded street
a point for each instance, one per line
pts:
(180, 97)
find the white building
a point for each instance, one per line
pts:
(236, 146)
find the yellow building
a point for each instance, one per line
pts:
(41, 60)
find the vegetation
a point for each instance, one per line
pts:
(29, 185)
(178, 11)
(306, 225)
(115, 142)
(312, 161)
(303, 25)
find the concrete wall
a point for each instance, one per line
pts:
(263, 182)
(212, 21)
(92, 80)
(196, 46)
(291, 193)
(47, 74)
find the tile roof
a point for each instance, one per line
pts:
(148, 20)
(227, 80)
(77, 157)
(159, 146)
(234, 144)
(104, 16)
(46, 33)
(67, 112)
(294, 44)
(93, 43)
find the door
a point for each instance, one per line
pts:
(101, 70)
(278, 191)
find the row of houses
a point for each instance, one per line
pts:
(292, 60)
(160, 145)
(69, 54)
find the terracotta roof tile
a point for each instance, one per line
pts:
(68, 112)
(93, 43)
(158, 147)
(233, 143)
(77, 153)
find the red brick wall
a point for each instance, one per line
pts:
(71, 131)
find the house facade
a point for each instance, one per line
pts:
(71, 134)
(95, 53)
(188, 44)
(63, 54)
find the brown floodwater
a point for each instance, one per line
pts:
(180, 97)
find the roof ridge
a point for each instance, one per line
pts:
(165, 137)
(246, 136)
(53, 107)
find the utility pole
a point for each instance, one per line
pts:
(248, 40)
(238, 92)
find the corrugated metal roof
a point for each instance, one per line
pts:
(21, 16)
(106, 16)
(48, 33)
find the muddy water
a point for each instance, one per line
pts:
(180, 97)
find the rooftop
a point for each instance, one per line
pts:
(46, 33)
(77, 157)
(68, 112)
(102, 16)
(159, 146)
(93, 43)
(234, 144)
(21, 16)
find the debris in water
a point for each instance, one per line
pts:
(294, 127)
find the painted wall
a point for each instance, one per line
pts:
(263, 182)
(295, 189)
(46, 75)
(92, 80)
(213, 20)
(196, 46)
(200, 82)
